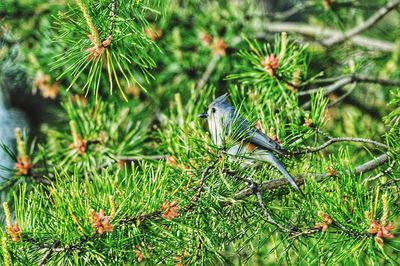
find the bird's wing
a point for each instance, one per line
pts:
(261, 140)
(251, 134)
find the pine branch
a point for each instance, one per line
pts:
(197, 196)
(371, 21)
(341, 81)
(188, 208)
(370, 165)
(341, 139)
(300, 180)
(254, 187)
(317, 32)
(283, 15)
(48, 253)
(140, 158)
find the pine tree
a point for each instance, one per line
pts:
(124, 172)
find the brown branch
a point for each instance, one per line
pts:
(315, 32)
(335, 140)
(49, 252)
(277, 183)
(140, 218)
(371, 21)
(197, 196)
(254, 187)
(140, 157)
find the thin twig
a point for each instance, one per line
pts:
(329, 89)
(370, 165)
(318, 32)
(381, 81)
(140, 218)
(141, 157)
(254, 187)
(381, 174)
(341, 139)
(342, 97)
(340, 81)
(277, 183)
(49, 252)
(283, 15)
(391, 182)
(322, 133)
(371, 21)
(304, 233)
(197, 196)
(112, 16)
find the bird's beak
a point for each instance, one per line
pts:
(203, 115)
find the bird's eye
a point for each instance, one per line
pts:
(213, 110)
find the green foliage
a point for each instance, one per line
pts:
(102, 21)
(281, 67)
(113, 182)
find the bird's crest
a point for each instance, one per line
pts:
(220, 100)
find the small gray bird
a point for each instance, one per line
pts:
(252, 144)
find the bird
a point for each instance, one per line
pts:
(249, 143)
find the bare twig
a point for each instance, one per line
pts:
(341, 139)
(49, 252)
(112, 16)
(141, 157)
(391, 182)
(329, 89)
(197, 196)
(254, 187)
(370, 165)
(322, 133)
(318, 32)
(140, 218)
(340, 81)
(375, 18)
(381, 174)
(283, 15)
(384, 82)
(304, 233)
(277, 183)
(342, 97)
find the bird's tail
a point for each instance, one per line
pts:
(275, 162)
